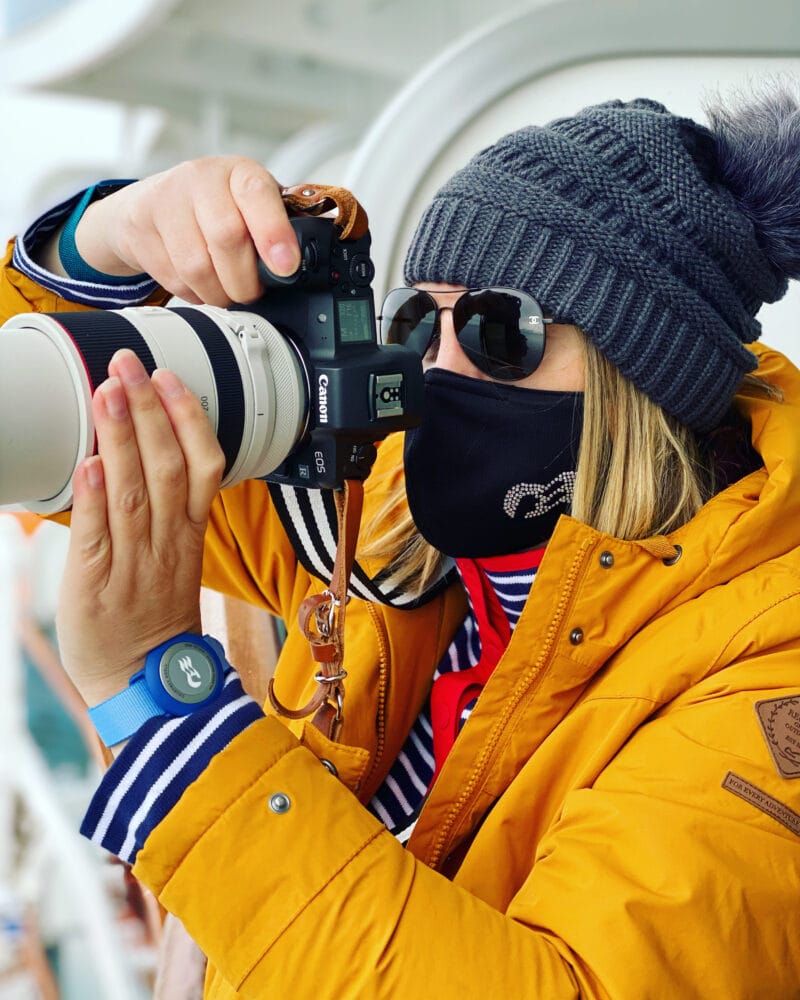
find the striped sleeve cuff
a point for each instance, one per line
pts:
(158, 764)
(89, 293)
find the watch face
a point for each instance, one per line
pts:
(187, 672)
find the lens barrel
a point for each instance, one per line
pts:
(237, 364)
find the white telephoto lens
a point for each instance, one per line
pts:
(247, 376)
(46, 425)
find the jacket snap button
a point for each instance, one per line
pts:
(280, 803)
(673, 559)
(606, 560)
(329, 767)
(576, 636)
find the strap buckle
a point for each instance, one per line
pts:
(321, 618)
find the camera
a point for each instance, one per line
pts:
(296, 385)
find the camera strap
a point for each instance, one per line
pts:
(311, 521)
(321, 619)
(317, 199)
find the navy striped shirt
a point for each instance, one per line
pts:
(399, 799)
(158, 764)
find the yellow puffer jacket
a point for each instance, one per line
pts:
(620, 817)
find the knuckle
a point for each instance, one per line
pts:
(145, 401)
(132, 501)
(249, 179)
(216, 467)
(169, 474)
(211, 464)
(195, 267)
(179, 175)
(227, 233)
(93, 554)
(210, 468)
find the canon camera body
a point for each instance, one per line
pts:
(296, 385)
(358, 390)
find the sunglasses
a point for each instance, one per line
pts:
(501, 330)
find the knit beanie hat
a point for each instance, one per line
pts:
(659, 237)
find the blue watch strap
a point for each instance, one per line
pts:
(118, 717)
(173, 682)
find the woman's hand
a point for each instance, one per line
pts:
(197, 229)
(140, 508)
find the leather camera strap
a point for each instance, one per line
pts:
(321, 618)
(317, 199)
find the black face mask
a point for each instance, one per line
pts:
(492, 466)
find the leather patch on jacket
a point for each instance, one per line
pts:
(761, 800)
(780, 722)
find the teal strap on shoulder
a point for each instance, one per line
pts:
(72, 262)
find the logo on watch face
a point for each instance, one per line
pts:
(192, 674)
(188, 673)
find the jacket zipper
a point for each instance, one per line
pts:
(475, 780)
(383, 683)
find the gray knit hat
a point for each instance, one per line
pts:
(647, 230)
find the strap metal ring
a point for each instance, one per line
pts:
(320, 678)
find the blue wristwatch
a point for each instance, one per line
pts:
(180, 676)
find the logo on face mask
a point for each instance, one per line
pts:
(557, 493)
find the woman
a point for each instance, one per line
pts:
(595, 796)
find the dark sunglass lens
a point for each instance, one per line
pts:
(408, 317)
(501, 332)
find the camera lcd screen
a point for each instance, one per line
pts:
(355, 321)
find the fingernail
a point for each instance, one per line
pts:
(114, 398)
(94, 472)
(130, 368)
(283, 259)
(167, 383)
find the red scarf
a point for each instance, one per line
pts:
(452, 692)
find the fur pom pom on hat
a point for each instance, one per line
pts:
(660, 237)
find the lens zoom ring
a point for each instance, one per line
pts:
(98, 335)
(228, 379)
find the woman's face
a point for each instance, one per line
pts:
(561, 368)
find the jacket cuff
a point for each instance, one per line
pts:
(101, 295)
(163, 758)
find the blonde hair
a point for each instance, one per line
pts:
(640, 472)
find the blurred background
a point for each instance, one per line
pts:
(387, 97)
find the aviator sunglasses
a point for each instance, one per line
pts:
(501, 330)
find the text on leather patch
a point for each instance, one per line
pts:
(766, 803)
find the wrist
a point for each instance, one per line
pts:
(182, 675)
(97, 692)
(85, 252)
(92, 243)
